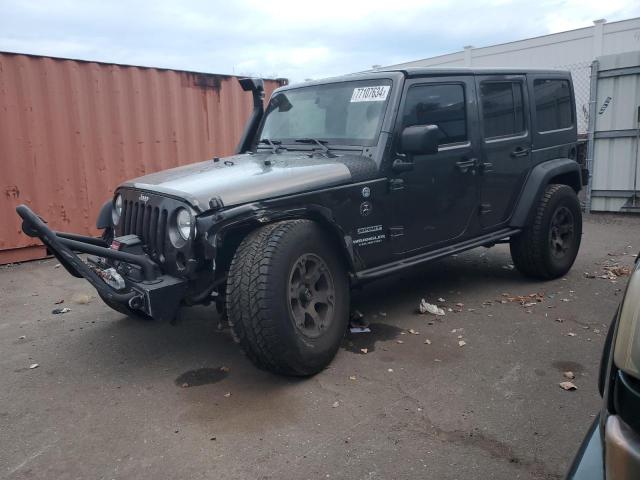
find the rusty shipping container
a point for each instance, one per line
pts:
(71, 130)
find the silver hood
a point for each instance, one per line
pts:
(247, 178)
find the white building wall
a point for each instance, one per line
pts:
(573, 50)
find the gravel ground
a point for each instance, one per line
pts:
(120, 398)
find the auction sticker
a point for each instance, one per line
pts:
(370, 94)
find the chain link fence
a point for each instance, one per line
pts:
(581, 75)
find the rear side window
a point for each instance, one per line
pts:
(553, 104)
(502, 109)
(442, 105)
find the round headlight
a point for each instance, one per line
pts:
(183, 222)
(116, 211)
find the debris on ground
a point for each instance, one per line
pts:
(427, 341)
(612, 272)
(81, 298)
(390, 370)
(185, 385)
(22, 337)
(413, 332)
(426, 307)
(510, 266)
(441, 300)
(359, 329)
(461, 343)
(559, 320)
(352, 377)
(357, 323)
(227, 395)
(58, 302)
(224, 369)
(34, 365)
(569, 375)
(60, 311)
(400, 341)
(364, 350)
(336, 404)
(571, 334)
(569, 386)
(57, 265)
(524, 300)
(382, 314)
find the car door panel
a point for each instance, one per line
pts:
(506, 145)
(436, 201)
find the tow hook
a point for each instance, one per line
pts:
(136, 302)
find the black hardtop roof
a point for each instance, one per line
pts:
(421, 71)
(414, 72)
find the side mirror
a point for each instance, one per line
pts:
(420, 139)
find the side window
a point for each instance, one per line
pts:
(553, 104)
(502, 109)
(442, 105)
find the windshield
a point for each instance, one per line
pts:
(346, 113)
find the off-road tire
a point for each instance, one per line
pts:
(533, 251)
(259, 304)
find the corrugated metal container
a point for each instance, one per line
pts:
(616, 133)
(71, 131)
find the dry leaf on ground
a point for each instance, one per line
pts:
(568, 386)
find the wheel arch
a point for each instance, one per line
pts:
(563, 171)
(104, 216)
(235, 232)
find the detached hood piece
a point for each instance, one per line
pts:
(248, 178)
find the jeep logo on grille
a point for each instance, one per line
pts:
(143, 198)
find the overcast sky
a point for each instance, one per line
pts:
(284, 38)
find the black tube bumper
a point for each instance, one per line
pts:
(157, 295)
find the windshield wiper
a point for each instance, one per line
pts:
(274, 144)
(320, 143)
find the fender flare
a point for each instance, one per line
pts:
(104, 217)
(256, 215)
(540, 176)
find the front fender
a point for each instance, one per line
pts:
(567, 171)
(251, 216)
(104, 217)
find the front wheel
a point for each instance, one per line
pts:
(288, 298)
(547, 248)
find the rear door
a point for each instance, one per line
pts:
(506, 145)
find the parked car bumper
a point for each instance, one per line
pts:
(155, 294)
(588, 463)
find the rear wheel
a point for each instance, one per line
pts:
(548, 247)
(288, 298)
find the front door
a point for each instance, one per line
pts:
(436, 200)
(506, 146)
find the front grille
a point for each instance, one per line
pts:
(147, 222)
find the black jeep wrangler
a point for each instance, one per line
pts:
(339, 182)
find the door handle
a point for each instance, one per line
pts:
(520, 152)
(465, 165)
